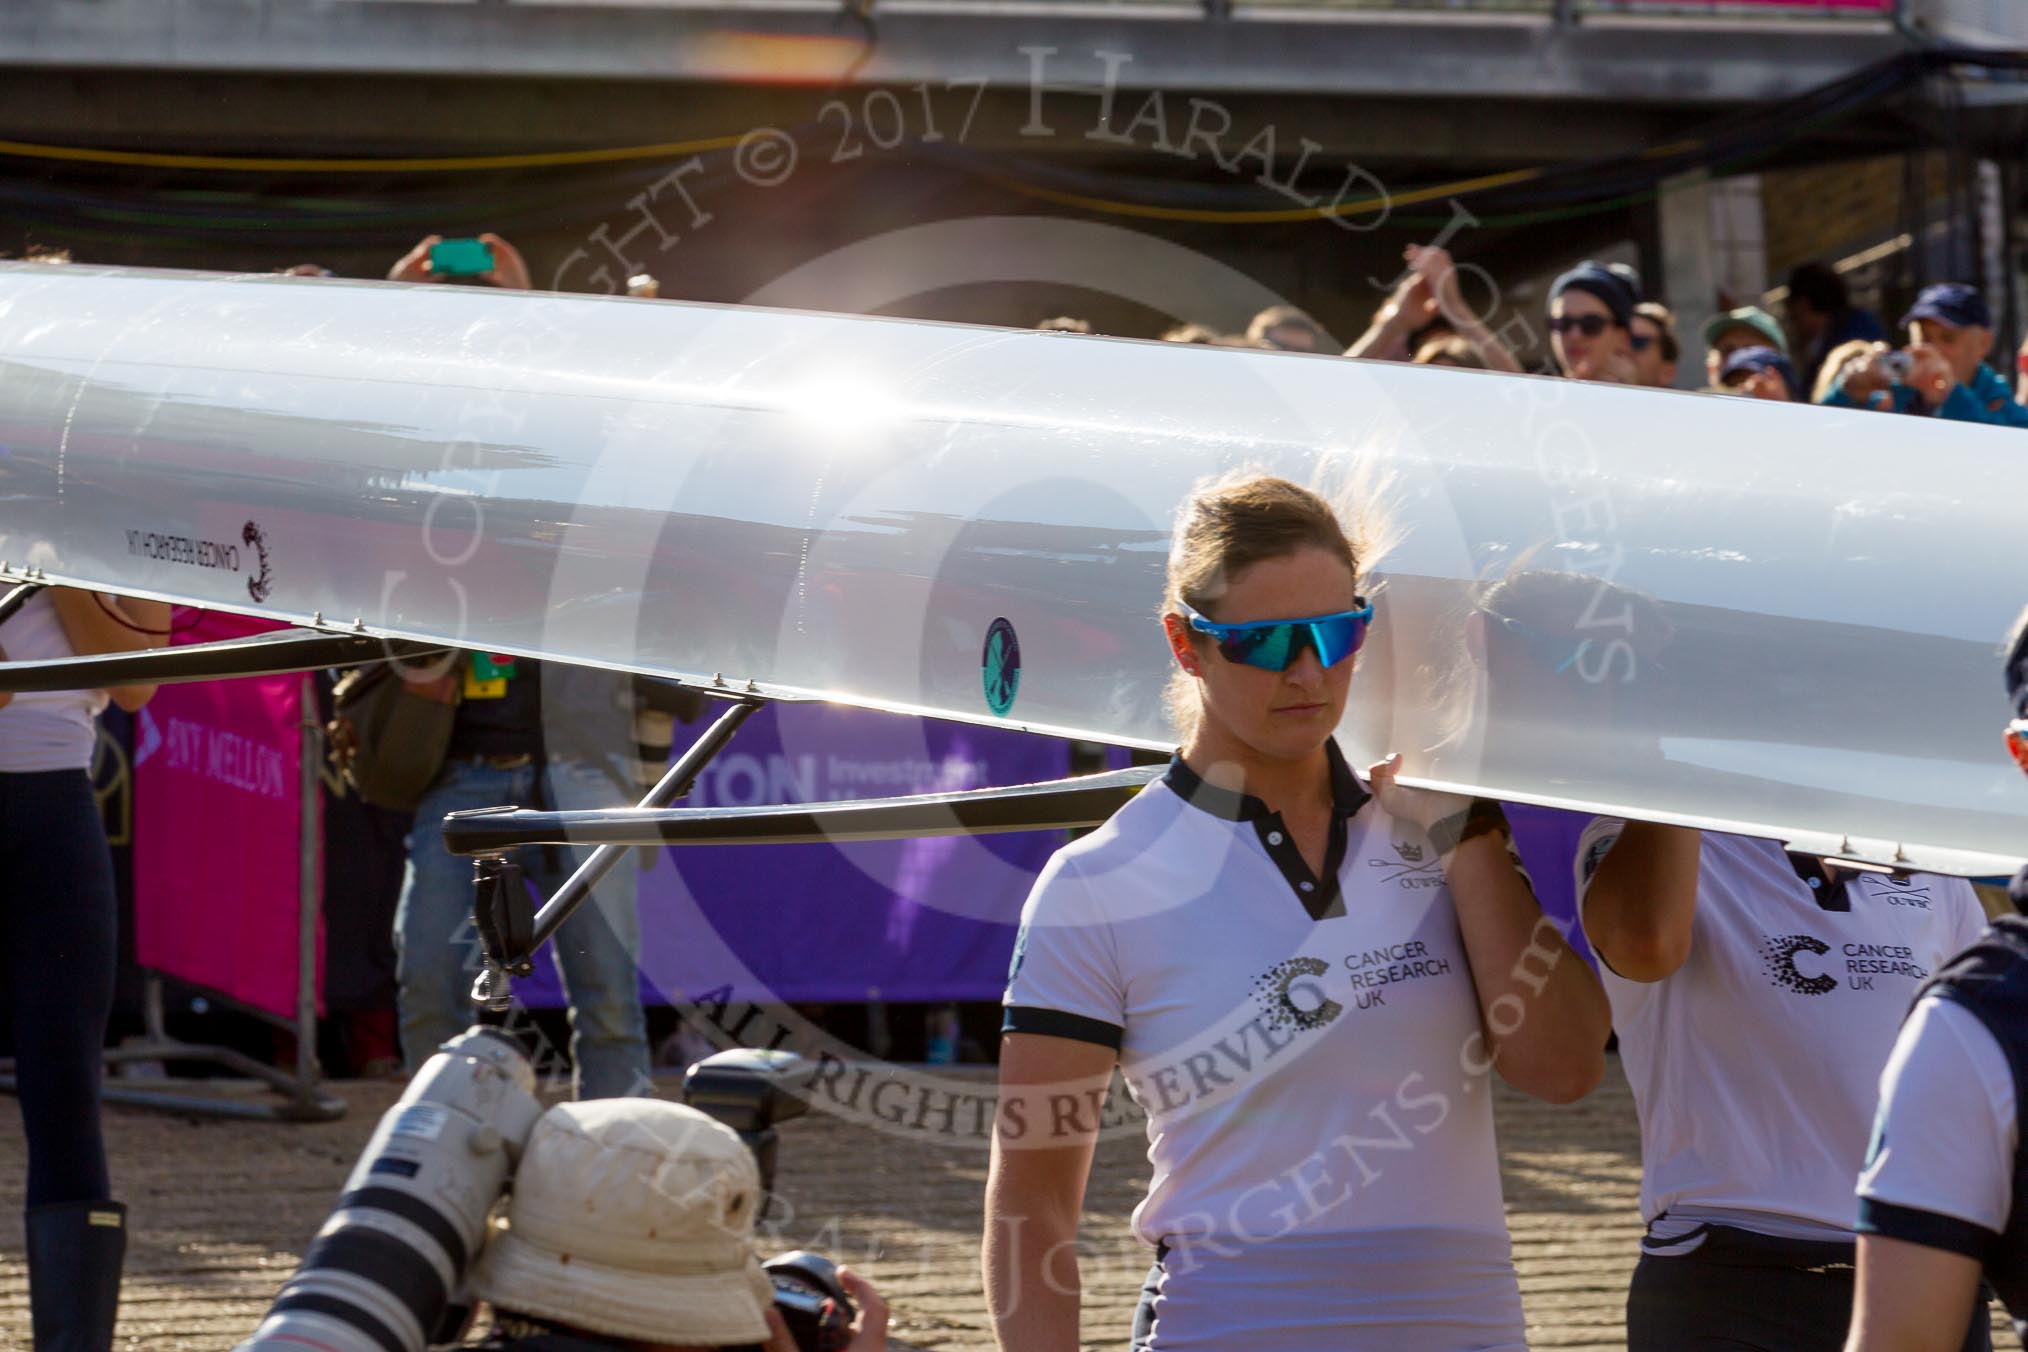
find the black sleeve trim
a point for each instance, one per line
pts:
(1927, 1228)
(1056, 1023)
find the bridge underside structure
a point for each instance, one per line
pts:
(1504, 127)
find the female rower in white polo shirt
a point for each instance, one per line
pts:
(1304, 984)
(1757, 996)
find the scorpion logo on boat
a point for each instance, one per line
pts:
(259, 584)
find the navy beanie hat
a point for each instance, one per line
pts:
(1615, 285)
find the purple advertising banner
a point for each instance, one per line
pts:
(904, 920)
(899, 920)
(1547, 842)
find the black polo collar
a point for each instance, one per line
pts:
(1319, 896)
(1828, 888)
(1347, 794)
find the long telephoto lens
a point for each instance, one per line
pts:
(386, 1271)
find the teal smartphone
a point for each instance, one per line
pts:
(461, 257)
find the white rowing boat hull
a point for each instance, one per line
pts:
(1771, 619)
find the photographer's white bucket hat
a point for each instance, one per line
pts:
(632, 1217)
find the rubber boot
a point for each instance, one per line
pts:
(75, 1250)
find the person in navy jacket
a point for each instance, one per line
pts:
(1943, 1200)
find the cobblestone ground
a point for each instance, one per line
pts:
(221, 1210)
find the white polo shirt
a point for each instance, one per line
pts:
(1756, 1065)
(1945, 1135)
(1308, 1052)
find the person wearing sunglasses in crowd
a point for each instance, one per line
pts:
(1302, 973)
(1653, 342)
(1591, 316)
(1756, 994)
(1944, 1196)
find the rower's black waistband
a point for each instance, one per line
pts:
(1731, 1246)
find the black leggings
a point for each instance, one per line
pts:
(59, 918)
(1745, 1292)
(1144, 1313)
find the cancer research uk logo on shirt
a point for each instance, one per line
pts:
(1803, 963)
(1293, 994)
(1780, 954)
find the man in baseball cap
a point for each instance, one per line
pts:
(1950, 332)
(1763, 373)
(1727, 333)
(630, 1226)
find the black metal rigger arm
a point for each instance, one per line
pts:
(279, 653)
(510, 929)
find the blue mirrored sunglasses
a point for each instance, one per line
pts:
(1272, 645)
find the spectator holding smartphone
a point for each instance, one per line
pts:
(427, 263)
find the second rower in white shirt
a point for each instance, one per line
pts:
(1756, 996)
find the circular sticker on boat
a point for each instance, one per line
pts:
(1000, 667)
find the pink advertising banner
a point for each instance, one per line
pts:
(218, 829)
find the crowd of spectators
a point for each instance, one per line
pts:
(1602, 326)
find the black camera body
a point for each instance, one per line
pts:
(811, 1300)
(750, 1090)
